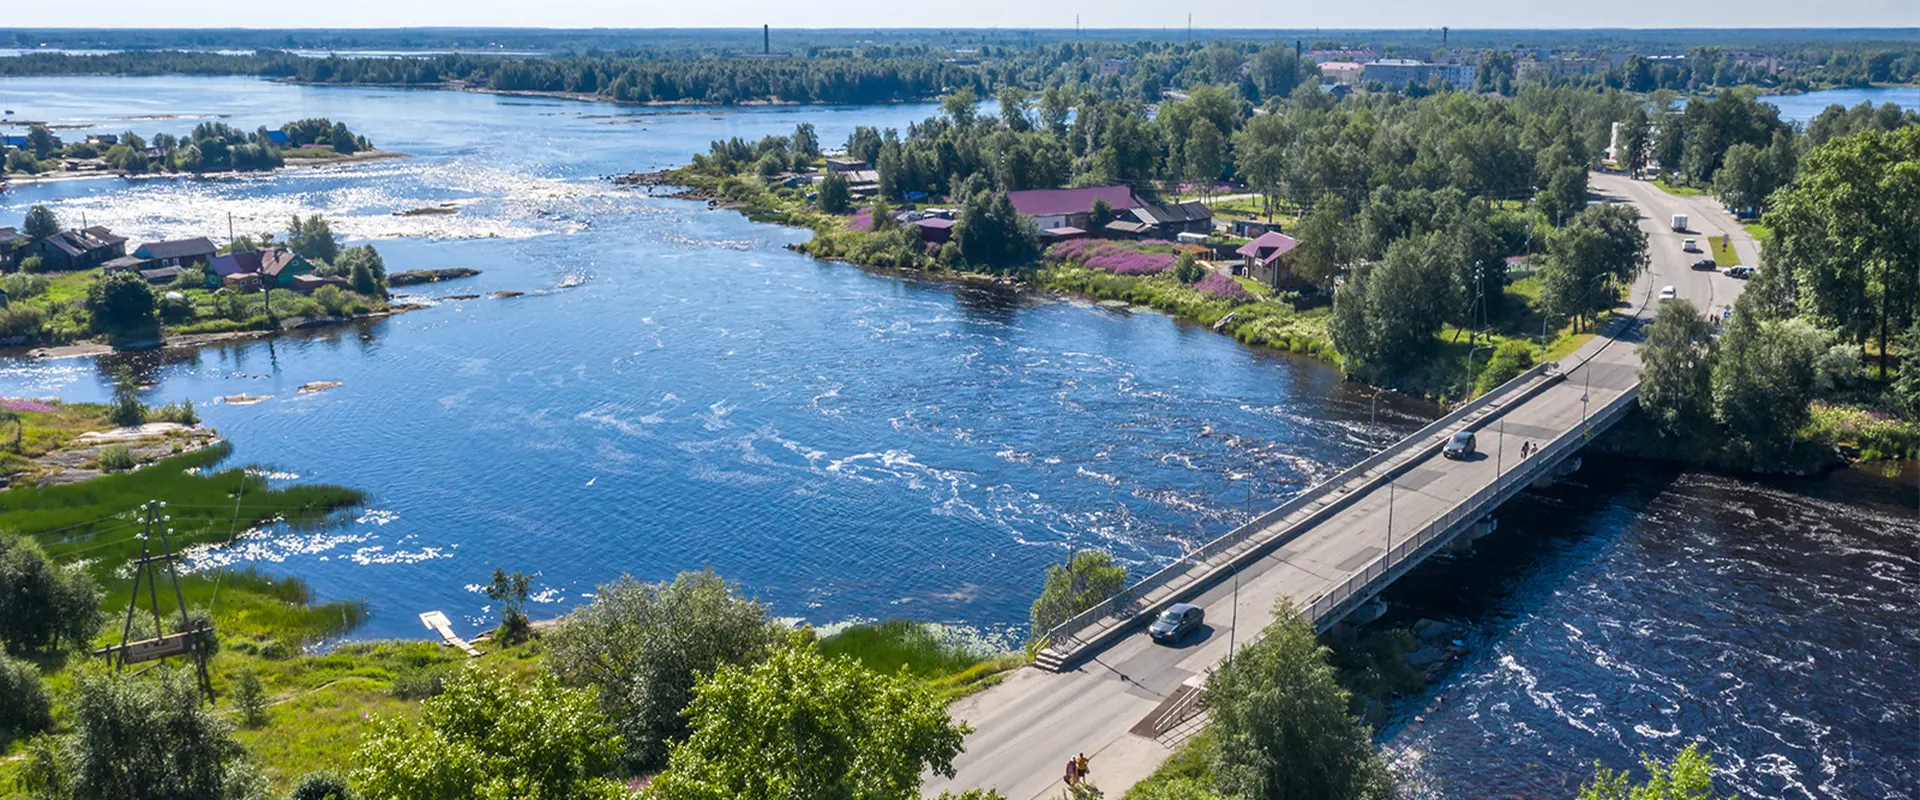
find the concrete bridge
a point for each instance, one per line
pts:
(1103, 688)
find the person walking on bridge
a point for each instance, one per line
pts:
(1073, 772)
(1080, 765)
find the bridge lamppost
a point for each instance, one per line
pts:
(1469, 392)
(1390, 485)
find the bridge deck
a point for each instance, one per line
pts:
(1034, 719)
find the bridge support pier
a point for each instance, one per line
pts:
(1558, 471)
(1464, 542)
(1367, 612)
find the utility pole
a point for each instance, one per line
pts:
(188, 640)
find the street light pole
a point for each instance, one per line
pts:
(1585, 391)
(1389, 556)
(1500, 450)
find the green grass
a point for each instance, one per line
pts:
(1677, 190)
(949, 668)
(298, 153)
(1723, 253)
(1190, 762)
(42, 432)
(98, 522)
(1760, 232)
(1260, 323)
(1873, 433)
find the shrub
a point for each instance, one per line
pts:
(21, 286)
(194, 278)
(21, 321)
(251, 698)
(321, 786)
(420, 684)
(1509, 360)
(33, 264)
(1089, 578)
(1188, 269)
(45, 605)
(127, 411)
(331, 299)
(175, 309)
(645, 645)
(116, 458)
(182, 413)
(25, 706)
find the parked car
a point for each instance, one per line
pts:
(1741, 272)
(1176, 622)
(1459, 446)
(1706, 263)
(1668, 293)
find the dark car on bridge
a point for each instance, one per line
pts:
(1176, 622)
(1459, 446)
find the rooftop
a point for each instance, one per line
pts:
(1058, 202)
(177, 248)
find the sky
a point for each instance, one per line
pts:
(1269, 14)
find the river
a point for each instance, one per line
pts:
(679, 391)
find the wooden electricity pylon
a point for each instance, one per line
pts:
(190, 640)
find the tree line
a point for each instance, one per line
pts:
(209, 147)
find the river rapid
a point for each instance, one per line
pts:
(676, 390)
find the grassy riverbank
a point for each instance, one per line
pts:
(1260, 319)
(316, 705)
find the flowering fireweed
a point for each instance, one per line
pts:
(861, 220)
(1222, 286)
(1114, 257)
(27, 405)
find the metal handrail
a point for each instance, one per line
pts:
(1360, 584)
(1196, 557)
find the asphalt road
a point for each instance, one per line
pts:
(1027, 727)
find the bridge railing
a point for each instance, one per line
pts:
(1334, 604)
(1138, 594)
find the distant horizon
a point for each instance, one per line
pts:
(1913, 29)
(1109, 15)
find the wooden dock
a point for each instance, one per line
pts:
(439, 623)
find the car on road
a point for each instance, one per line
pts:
(1706, 263)
(1690, 245)
(1175, 623)
(1740, 272)
(1668, 293)
(1459, 446)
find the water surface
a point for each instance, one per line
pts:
(677, 390)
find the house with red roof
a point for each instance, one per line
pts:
(1070, 208)
(1266, 260)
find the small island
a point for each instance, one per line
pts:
(211, 148)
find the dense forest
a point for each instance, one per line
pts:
(724, 71)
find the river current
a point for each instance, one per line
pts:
(676, 390)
